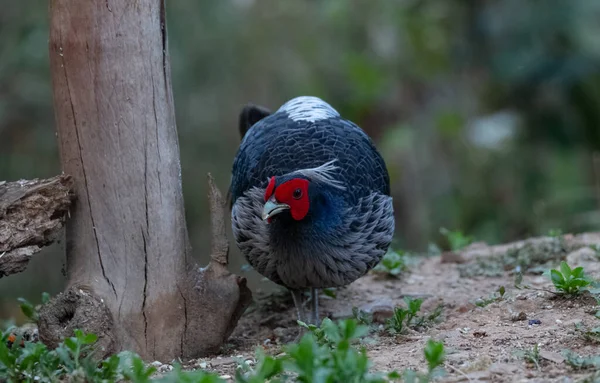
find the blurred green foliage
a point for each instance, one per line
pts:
(487, 113)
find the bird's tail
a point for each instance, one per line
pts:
(250, 115)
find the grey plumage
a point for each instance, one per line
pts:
(348, 221)
(365, 235)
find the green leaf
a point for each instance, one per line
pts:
(577, 272)
(330, 330)
(6, 357)
(501, 291)
(434, 354)
(414, 305)
(579, 282)
(28, 309)
(557, 278)
(330, 293)
(89, 339)
(394, 375)
(565, 270)
(71, 344)
(269, 367)
(45, 297)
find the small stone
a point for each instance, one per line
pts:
(381, 310)
(465, 308)
(534, 321)
(203, 365)
(552, 356)
(502, 369)
(156, 363)
(479, 334)
(225, 376)
(515, 317)
(521, 297)
(165, 368)
(223, 361)
(581, 255)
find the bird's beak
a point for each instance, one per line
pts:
(272, 207)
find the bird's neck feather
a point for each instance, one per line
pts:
(322, 221)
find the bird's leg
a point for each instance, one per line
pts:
(298, 302)
(297, 297)
(314, 297)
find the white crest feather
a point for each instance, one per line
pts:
(323, 173)
(308, 108)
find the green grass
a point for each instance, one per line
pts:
(329, 353)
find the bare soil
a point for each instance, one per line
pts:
(482, 343)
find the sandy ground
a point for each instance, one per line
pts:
(483, 344)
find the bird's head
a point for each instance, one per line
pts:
(301, 192)
(291, 195)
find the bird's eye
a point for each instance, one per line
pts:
(297, 194)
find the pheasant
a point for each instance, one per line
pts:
(310, 198)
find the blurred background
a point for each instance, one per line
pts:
(486, 111)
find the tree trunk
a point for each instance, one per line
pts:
(131, 279)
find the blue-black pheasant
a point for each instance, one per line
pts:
(310, 194)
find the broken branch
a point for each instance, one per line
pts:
(32, 213)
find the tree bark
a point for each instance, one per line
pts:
(32, 214)
(128, 254)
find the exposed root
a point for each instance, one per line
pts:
(77, 309)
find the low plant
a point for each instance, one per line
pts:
(555, 233)
(30, 310)
(496, 296)
(392, 264)
(579, 362)
(330, 333)
(403, 318)
(531, 355)
(328, 353)
(434, 356)
(589, 334)
(362, 317)
(569, 281)
(456, 239)
(325, 354)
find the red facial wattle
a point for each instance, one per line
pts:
(270, 188)
(294, 193)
